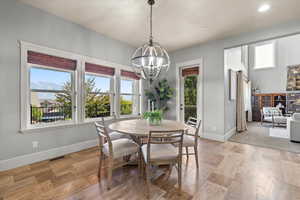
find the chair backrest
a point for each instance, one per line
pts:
(271, 111)
(192, 122)
(174, 137)
(103, 135)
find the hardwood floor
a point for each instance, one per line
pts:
(227, 171)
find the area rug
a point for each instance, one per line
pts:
(259, 135)
(279, 133)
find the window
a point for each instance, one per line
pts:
(237, 59)
(98, 96)
(129, 93)
(129, 97)
(247, 95)
(48, 92)
(126, 97)
(51, 95)
(264, 55)
(59, 88)
(98, 91)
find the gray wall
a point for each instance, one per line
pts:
(22, 22)
(274, 79)
(213, 119)
(219, 112)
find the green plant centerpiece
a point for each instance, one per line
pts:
(154, 117)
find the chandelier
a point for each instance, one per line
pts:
(150, 59)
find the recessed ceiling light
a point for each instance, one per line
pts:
(264, 8)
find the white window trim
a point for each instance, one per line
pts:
(136, 93)
(74, 100)
(115, 87)
(200, 97)
(111, 93)
(274, 54)
(78, 76)
(25, 84)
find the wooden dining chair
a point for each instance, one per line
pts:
(160, 150)
(112, 149)
(191, 137)
(114, 135)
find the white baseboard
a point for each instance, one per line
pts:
(218, 137)
(45, 155)
(60, 151)
(212, 136)
(229, 133)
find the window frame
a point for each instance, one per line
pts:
(136, 93)
(25, 90)
(274, 54)
(73, 106)
(78, 80)
(111, 93)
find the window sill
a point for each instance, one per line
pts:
(69, 125)
(92, 120)
(262, 68)
(47, 128)
(123, 117)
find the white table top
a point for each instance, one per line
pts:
(141, 128)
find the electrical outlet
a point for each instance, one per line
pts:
(35, 145)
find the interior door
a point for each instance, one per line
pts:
(189, 81)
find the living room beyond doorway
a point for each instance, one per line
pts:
(272, 69)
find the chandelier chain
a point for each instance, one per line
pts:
(151, 36)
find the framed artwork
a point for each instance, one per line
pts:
(232, 85)
(293, 78)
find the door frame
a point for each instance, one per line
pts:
(200, 110)
(181, 94)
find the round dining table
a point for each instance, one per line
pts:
(140, 128)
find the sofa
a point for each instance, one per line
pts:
(273, 115)
(295, 128)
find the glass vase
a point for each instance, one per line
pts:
(154, 122)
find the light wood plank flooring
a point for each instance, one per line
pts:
(228, 171)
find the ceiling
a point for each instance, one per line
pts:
(177, 23)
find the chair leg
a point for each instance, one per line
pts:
(187, 152)
(110, 169)
(100, 165)
(196, 155)
(140, 163)
(148, 180)
(142, 168)
(169, 171)
(179, 175)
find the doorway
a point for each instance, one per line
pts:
(189, 93)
